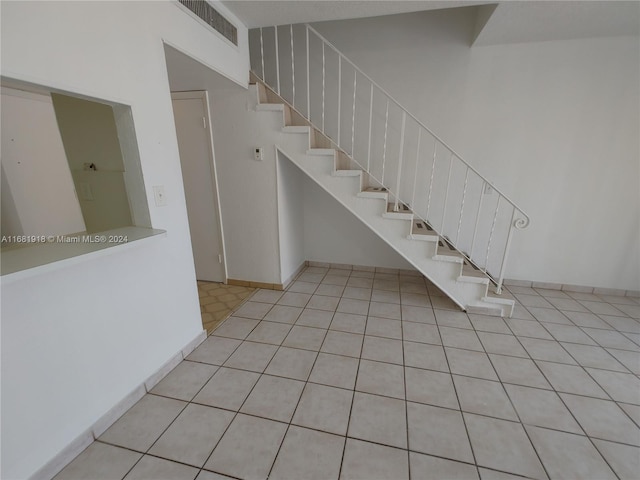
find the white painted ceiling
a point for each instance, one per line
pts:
(513, 21)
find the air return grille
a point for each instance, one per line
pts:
(213, 18)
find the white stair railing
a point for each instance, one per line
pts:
(395, 149)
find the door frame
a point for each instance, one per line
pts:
(203, 95)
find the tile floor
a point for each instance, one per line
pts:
(363, 375)
(217, 302)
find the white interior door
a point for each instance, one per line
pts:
(191, 113)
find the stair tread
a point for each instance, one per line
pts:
(321, 151)
(420, 228)
(270, 106)
(296, 129)
(465, 285)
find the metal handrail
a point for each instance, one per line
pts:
(517, 223)
(399, 105)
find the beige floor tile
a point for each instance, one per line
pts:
(324, 408)
(335, 370)
(306, 338)
(623, 459)
(422, 355)
(248, 448)
(269, 332)
(418, 314)
(502, 344)
(349, 322)
(519, 371)
(503, 445)
(569, 456)
(426, 466)
(252, 356)
(307, 454)
(192, 436)
(381, 379)
(228, 389)
(160, 469)
(102, 461)
(484, 397)
(571, 379)
(342, 343)
(438, 431)
(143, 423)
(184, 381)
(292, 363)
(315, 318)
(471, 364)
(542, 408)
(382, 350)
(378, 419)
(214, 350)
(274, 398)
(434, 388)
(365, 460)
(283, 314)
(421, 332)
(602, 419)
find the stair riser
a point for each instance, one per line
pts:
(395, 232)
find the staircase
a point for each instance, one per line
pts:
(410, 188)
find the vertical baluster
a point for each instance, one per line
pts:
(464, 193)
(323, 80)
(433, 169)
(308, 91)
(353, 115)
(400, 157)
(339, 94)
(493, 226)
(370, 121)
(384, 145)
(446, 193)
(262, 55)
(415, 170)
(475, 229)
(277, 61)
(506, 252)
(293, 70)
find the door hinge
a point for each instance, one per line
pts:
(204, 122)
(219, 258)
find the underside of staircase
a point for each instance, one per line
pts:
(333, 169)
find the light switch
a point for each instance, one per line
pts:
(159, 196)
(258, 154)
(85, 191)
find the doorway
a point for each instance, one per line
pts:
(192, 119)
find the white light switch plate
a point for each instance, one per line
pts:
(159, 196)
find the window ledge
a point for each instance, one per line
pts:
(20, 262)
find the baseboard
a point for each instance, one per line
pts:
(293, 276)
(249, 283)
(364, 268)
(572, 288)
(82, 441)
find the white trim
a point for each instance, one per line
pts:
(82, 441)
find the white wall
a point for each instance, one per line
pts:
(78, 340)
(35, 169)
(332, 234)
(552, 124)
(247, 188)
(291, 217)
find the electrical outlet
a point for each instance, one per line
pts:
(159, 196)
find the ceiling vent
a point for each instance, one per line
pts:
(213, 18)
